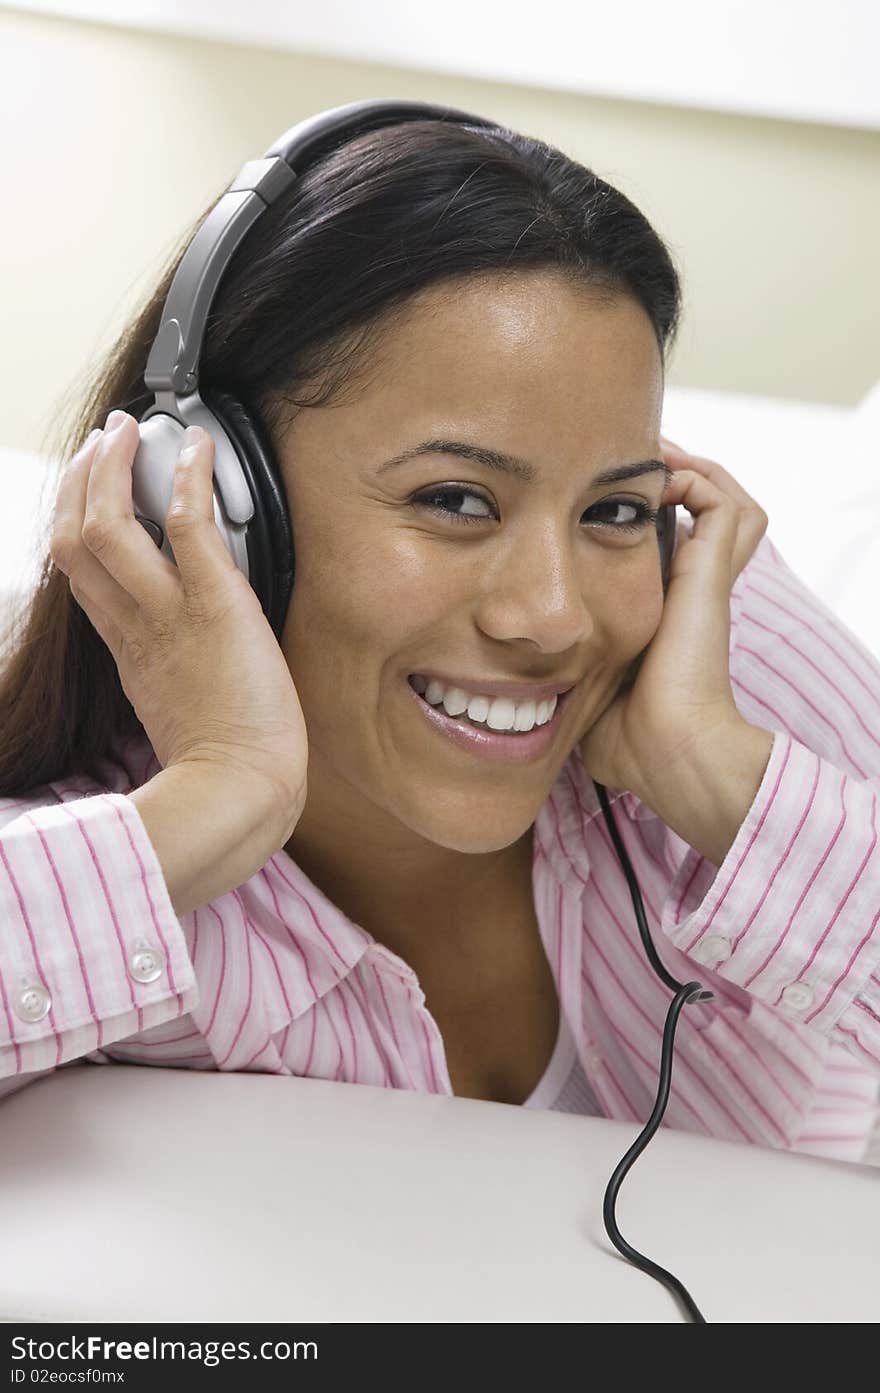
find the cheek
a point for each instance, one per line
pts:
(634, 606)
(360, 598)
(637, 624)
(649, 612)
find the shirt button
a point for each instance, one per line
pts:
(714, 948)
(32, 1003)
(593, 1061)
(798, 995)
(146, 963)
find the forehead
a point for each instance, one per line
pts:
(530, 363)
(521, 341)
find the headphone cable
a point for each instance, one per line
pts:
(684, 993)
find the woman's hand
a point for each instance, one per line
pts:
(682, 692)
(196, 656)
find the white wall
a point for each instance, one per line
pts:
(803, 60)
(113, 139)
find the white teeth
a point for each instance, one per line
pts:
(525, 716)
(478, 708)
(501, 714)
(456, 701)
(498, 713)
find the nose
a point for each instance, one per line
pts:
(535, 591)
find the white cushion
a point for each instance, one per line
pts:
(814, 471)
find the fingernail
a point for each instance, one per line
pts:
(115, 419)
(193, 435)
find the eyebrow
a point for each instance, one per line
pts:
(521, 469)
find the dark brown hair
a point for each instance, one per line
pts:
(300, 310)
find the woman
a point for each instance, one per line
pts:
(449, 335)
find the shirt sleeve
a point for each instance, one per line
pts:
(792, 915)
(91, 950)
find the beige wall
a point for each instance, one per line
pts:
(114, 139)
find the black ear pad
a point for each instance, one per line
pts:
(269, 536)
(666, 540)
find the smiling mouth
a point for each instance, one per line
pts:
(479, 721)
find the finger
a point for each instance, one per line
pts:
(731, 533)
(69, 485)
(86, 575)
(714, 527)
(202, 555)
(114, 538)
(65, 541)
(678, 458)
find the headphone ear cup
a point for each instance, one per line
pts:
(269, 536)
(666, 537)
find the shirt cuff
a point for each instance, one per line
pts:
(93, 951)
(793, 913)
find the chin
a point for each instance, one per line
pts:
(477, 845)
(473, 836)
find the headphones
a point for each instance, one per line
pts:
(250, 504)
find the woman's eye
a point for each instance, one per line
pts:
(445, 500)
(451, 497)
(640, 514)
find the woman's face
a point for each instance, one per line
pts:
(540, 585)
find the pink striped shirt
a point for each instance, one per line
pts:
(94, 963)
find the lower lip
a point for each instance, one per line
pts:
(513, 748)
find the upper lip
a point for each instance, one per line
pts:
(495, 686)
